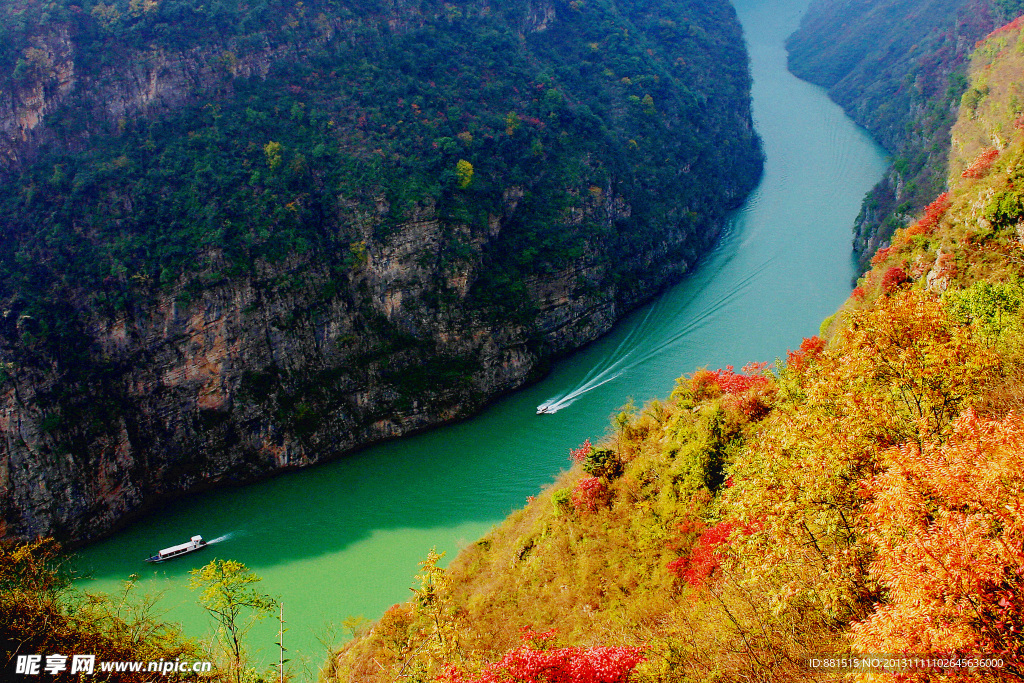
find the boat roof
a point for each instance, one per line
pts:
(182, 546)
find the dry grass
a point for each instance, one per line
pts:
(601, 578)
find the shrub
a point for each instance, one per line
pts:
(535, 661)
(981, 164)
(703, 560)
(589, 494)
(991, 307)
(709, 384)
(810, 348)
(562, 499)
(1005, 208)
(756, 403)
(881, 255)
(893, 278)
(932, 214)
(580, 454)
(395, 629)
(602, 462)
(704, 385)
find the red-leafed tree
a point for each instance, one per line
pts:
(981, 164)
(729, 381)
(589, 494)
(535, 661)
(810, 348)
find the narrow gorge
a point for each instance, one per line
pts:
(240, 240)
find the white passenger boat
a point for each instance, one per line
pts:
(196, 543)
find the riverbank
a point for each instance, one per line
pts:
(864, 495)
(781, 267)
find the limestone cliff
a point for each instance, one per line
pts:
(219, 262)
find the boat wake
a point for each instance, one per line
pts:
(225, 537)
(619, 362)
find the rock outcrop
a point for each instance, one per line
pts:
(229, 369)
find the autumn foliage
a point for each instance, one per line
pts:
(946, 520)
(534, 662)
(42, 612)
(704, 559)
(589, 494)
(981, 164)
(810, 349)
(1006, 28)
(932, 214)
(867, 495)
(881, 255)
(883, 380)
(729, 381)
(893, 278)
(580, 454)
(747, 392)
(925, 226)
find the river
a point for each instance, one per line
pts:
(344, 539)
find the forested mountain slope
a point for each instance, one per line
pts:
(236, 238)
(863, 496)
(898, 68)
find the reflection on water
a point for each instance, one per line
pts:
(345, 538)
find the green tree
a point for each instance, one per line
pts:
(433, 600)
(464, 173)
(648, 103)
(230, 598)
(273, 151)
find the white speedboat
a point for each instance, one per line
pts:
(196, 543)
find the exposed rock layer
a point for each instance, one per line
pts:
(290, 364)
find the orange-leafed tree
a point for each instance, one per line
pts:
(891, 369)
(885, 379)
(946, 520)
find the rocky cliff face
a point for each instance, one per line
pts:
(251, 377)
(225, 369)
(144, 82)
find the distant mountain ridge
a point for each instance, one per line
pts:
(898, 68)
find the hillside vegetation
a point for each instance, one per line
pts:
(41, 614)
(898, 68)
(365, 118)
(863, 495)
(242, 237)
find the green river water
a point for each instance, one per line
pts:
(345, 538)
